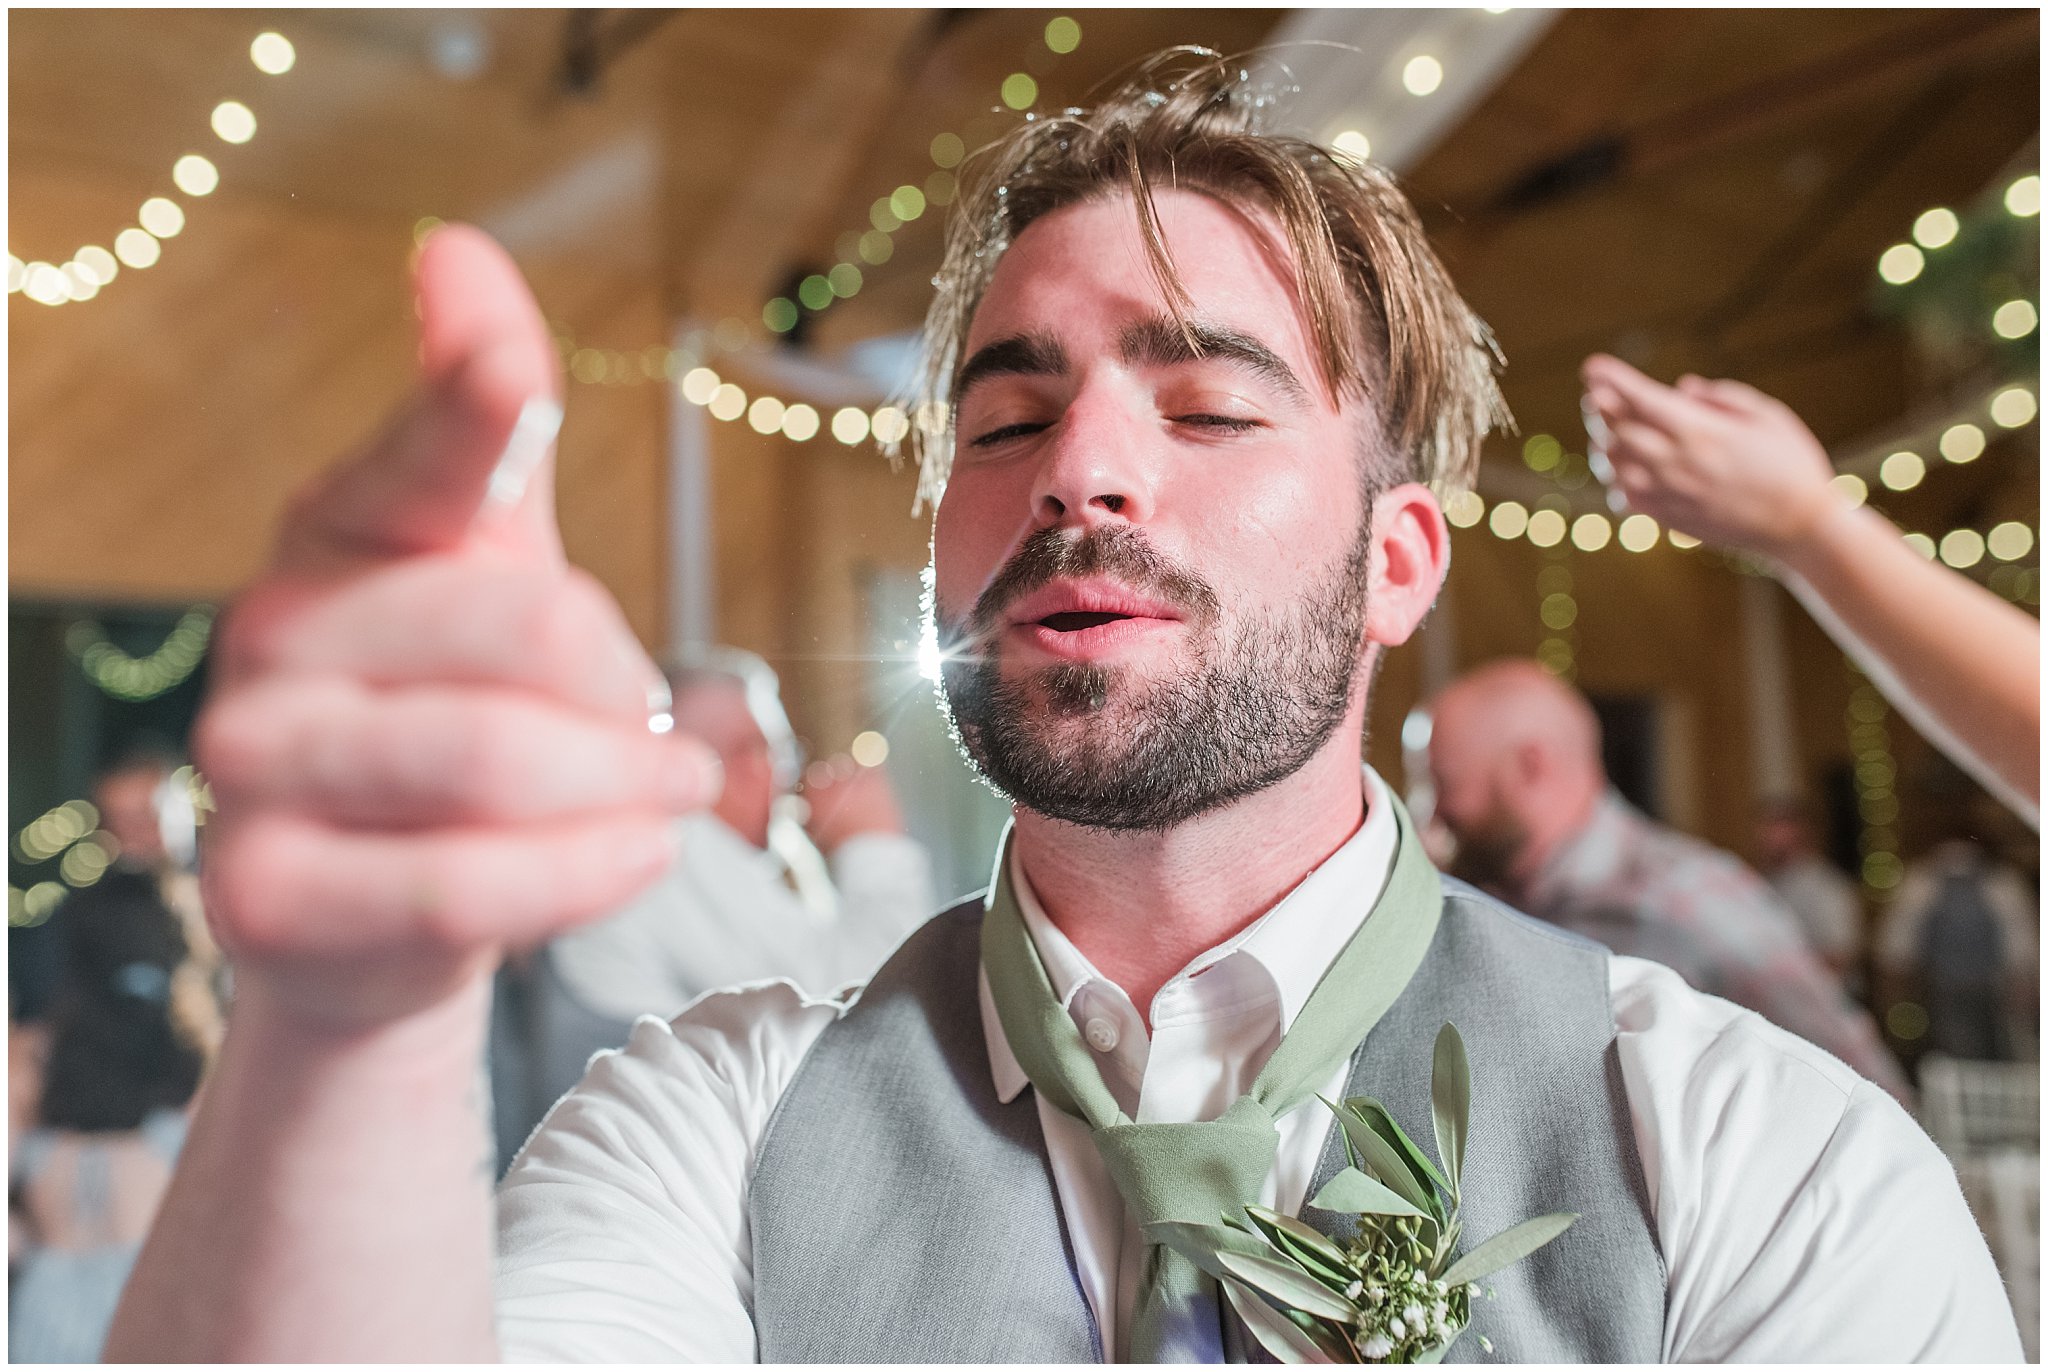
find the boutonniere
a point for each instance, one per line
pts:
(1399, 1291)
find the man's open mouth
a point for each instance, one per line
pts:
(1071, 621)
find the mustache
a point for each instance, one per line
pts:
(1108, 550)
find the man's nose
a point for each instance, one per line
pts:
(1100, 465)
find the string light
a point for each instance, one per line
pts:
(1593, 532)
(2013, 407)
(1962, 548)
(194, 175)
(92, 267)
(1962, 443)
(1353, 144)
(87, 851)
(1546, 528)
(2010, 541)
(1422, 75)
(1936, 228)
(1900, 263)
(2023, 197)
(850, 425)
(1558, 610)
(233, 122)
(2014, 319)
(1638, 533)
(161, 217)
(145, 678)
(1876, 774)
(1464, 509)
(1902, 471)
(272, 53)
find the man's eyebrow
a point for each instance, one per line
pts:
(1160, 342)
(1022, 354)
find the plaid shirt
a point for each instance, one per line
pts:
(1651, 892)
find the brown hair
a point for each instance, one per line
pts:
(1386, 320)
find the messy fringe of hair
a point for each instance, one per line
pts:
(1388, 324)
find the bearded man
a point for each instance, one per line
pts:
(1196, 382)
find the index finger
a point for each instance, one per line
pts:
(1647, 398)
(470, 455)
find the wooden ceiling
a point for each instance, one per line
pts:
(1697, 189)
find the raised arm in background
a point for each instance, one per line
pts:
(429, 739)
(1728, 464)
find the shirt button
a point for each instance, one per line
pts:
(1102, 1035)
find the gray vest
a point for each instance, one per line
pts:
(901, 1213)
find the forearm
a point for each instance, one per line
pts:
(333, 1200)
(1962, 665)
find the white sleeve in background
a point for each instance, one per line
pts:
(884, 883)
(622, 1228)
(1803, 1215)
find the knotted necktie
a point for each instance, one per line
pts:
(1197, 1172)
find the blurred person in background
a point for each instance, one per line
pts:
(1962, 940)
(110, 1120)
(146, 808)
(817, 892)
(1736, 468)
(1829, 905)
(1520, 784)
(813, 889)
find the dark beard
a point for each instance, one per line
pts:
(1075, 742)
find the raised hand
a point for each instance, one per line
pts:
(429, 737)
(1715, 459)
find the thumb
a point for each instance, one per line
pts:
(472, 455)
(481, 328)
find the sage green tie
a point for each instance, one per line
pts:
(1197, 1172)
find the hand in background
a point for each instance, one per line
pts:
(1718, 460)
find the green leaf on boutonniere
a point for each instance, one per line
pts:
(1276, 1333)
(1385, 1125)
(1450, 1101)
(1378, 1157)
(1352, 1192)
(1286, 1282)
(1307, 1246)
(1201, 1243)
(1507, 1247)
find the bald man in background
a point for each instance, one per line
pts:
(1521, 787)
(752, 898)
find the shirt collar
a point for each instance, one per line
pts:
(1295, 942)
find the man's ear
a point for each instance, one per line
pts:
(1411, 551)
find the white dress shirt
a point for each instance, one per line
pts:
(1801, 1213)
(725, 914)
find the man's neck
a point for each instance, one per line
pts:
(1142, 905)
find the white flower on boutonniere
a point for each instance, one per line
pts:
(1399, 1291)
